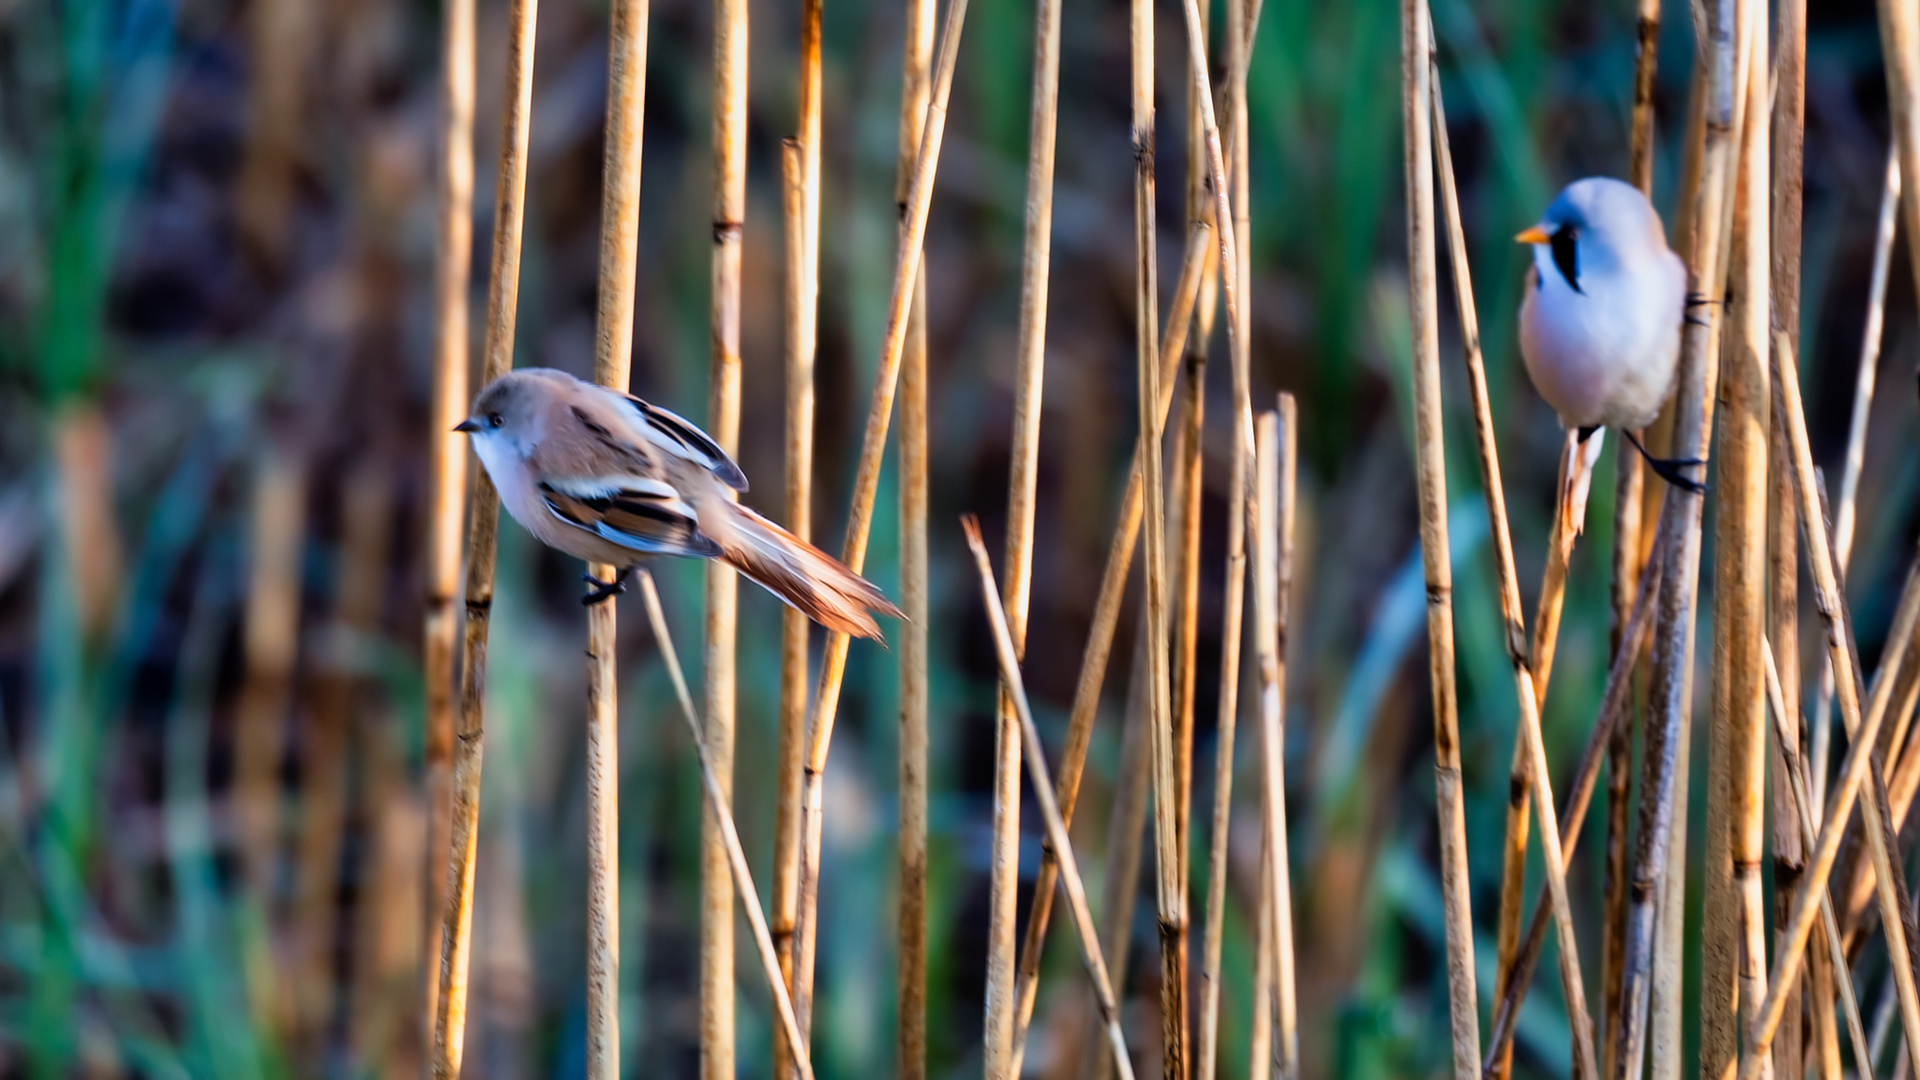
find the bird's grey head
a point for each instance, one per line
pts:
(510, 411)
(1597, 226)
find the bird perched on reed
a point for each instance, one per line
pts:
(609, 478)
(1600, 324)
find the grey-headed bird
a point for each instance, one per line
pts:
(1600, 325)
(608, 478)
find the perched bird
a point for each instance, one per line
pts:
(608, 478)
(1600, 325)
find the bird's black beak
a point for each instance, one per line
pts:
(467, 426)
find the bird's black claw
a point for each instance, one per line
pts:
(602, 589)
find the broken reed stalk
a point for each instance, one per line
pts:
(1628, 502)
(1002, 1014)
(1529, 734)
(1106, 615)
(730, 836)
(1858, 889)
(1416, 103)
(1863, 388)
(866, 486)
(1793, 777)
(1277, 445)
(447, 451)
(1126, 830)
(1049, 809)
(1862, 754)
(1654, 891)
(612, 356)
(448, 1004)
(1169, 888)
(1733, 947)
(911, 980)
(723, 423)
(1783, 585)
(794, 624)
(1613, 714)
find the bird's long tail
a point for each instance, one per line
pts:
(814, 582)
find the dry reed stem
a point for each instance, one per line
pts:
(1862, 754)
(1416, 103)
(722, 585)
(1126, 831)
(612, 357)
(794, 625)
(1260, 1037)
(1793, 777)
(449, 1002)
(906, 273)
(1106, 615)
(1169, 888)
(1863, 388)
(800, 196)
(729, 835)
(271, 644)
(1654, 890)
(1049, 809)
(1783, 587)
(1003, 1010)
(280, 33)
(1900, 638)
(1277, 448)
(1535, 774)
(911, 981)
(447, 451)
(1900, 42)
(1733, 948)
(1614, 713)
(1628, 501)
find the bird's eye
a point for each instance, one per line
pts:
(494, 420)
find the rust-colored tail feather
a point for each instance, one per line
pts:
(814, 582)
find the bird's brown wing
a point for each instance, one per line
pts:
(678, 436)
(644, 516)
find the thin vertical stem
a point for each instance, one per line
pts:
(729, 835)
(612, 356)
(447, 452)
(1655, 892)
(911, 982)
(1029, 381)
(1862, 754)
(1416, 105)
(906, 274)
(723, 423)
(449, 1002)
(271, 642)
(1260, 1038)
(1529, 734)
(1049, 809)
(1126, 832)
(1277, 443)
(1900, 42)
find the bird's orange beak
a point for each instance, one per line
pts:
(1534, 235)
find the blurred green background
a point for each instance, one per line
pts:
(216, 239)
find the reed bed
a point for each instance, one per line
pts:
(216, 808)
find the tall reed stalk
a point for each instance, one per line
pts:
(1733, 946)
(1783, 584)
(1529, 734)
(1277, 449)
(722, 585)
(1416, 94)
(866, 485)
(1029, 381)
(1049, 809)
(1655, 891)
(800, 172)
(1126, 832)
(612, 358)
(1900, 43)
(1862, 756)
(729, 837)
(449, 1002)
(270, 643)
(446, 448)
(1106, 616)
(911, 980)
